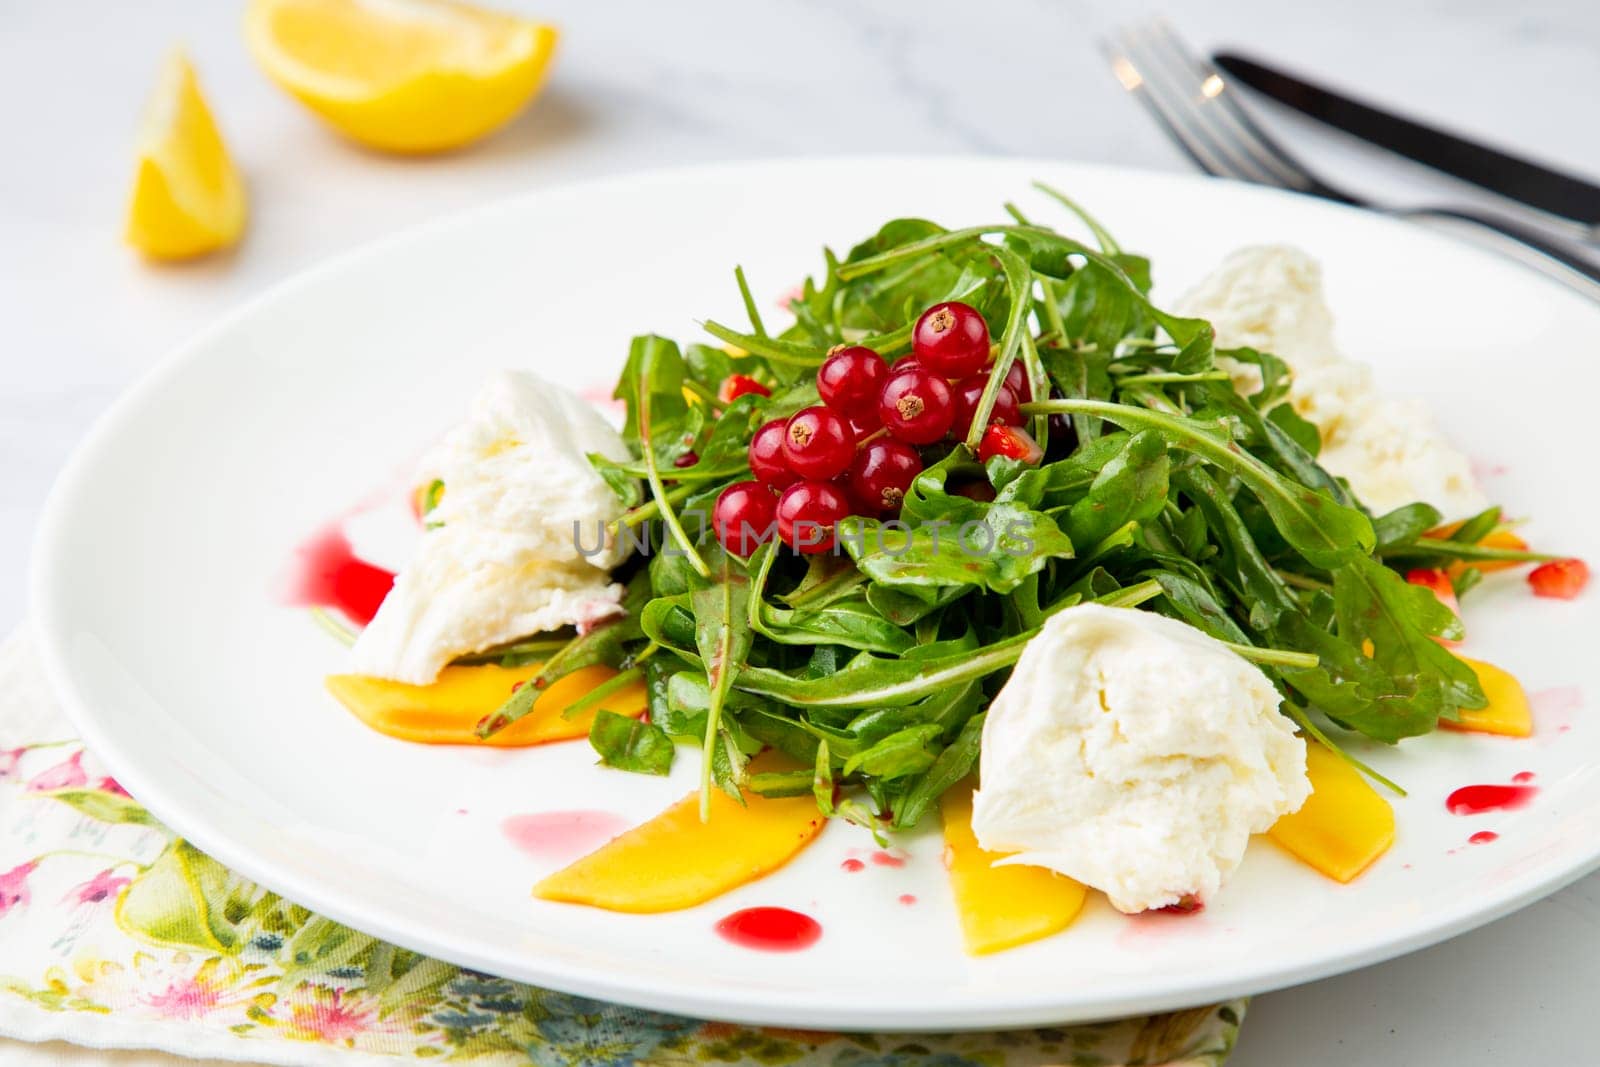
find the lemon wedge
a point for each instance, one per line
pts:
(402, 75)
(188, 198)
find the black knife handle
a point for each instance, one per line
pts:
(1485, 167)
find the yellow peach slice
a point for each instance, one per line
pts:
(1507, 712)
(1001, 907)
(447, 712)
(676, 861)
(1344, 826)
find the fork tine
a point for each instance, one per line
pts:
(1174, 80)
(1226, 117)
(1133, 78)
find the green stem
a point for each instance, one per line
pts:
(1456, 550)
(1277, 657)
(1132, 596)
(706, 396)
(1108, 244)
(1165, 377)
(652, 470)
(772, 348)
(342, 633)
(1301, 581)
(594, 697)
(1303, 720)
(1019, 282)
(749, 303)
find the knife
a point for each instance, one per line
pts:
(1485, 167)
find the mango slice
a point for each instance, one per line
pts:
(1344, 826)
(448, 711)
(675, 861)
(1001, 907)
(1507, 713)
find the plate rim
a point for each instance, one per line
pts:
(725, 1003)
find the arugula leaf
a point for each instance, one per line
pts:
(1325, 532)
(994, 552)
(723, 641)
(630, 744)
(1131, 488)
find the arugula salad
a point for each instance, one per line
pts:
(846, 532)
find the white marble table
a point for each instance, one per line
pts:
(643, 84)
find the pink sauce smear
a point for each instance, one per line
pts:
(896, 858)
(559, 835)
(770, 929)
(330, 576)
(851, 866)
(1478, 799)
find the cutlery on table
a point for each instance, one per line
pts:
(1195, 106)
(1510, 176)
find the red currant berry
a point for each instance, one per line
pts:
(807, 513)
(850, 379)
(818, 443)
(736, 385)
(969, 391)
(951, 339)
(916, 406)
(687, 459)
(880, 475)
(1013, 442)
(865, 426)
(1017, 382)
(744, 516)
(766, 456)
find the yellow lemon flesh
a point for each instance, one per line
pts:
(188, 198)
(402, 75)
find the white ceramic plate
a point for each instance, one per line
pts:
(156, 597)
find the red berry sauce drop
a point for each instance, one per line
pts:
(770, 929)
(330, 576)
(1483, 837)
(1477, 799)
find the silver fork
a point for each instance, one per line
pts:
(1196, 107)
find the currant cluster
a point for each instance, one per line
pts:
(856, 453)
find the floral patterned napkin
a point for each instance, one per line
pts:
(115, 933)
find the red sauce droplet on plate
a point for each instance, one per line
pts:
(770, 929)
(1523, 776)
(562, 835)
(852, 866)
(908, 899)
(1477, 799)
(1189, 905)
(330, 576)
(889, 859)
(1483, 837)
